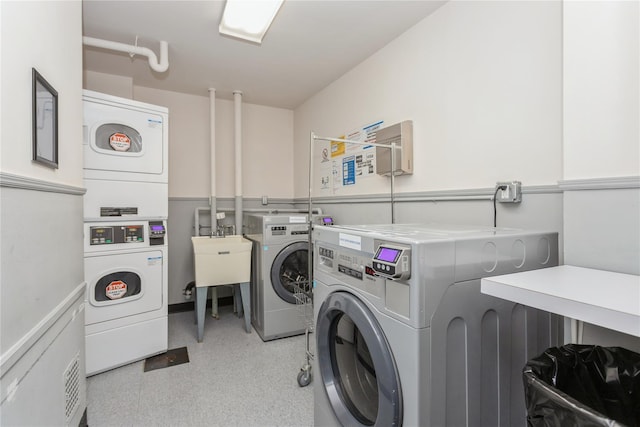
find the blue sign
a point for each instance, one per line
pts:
(349, 170)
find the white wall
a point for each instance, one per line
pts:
(602, 142)
(188, 139)
(601, 89)
(31, 37)
(41, 279)
(268, 154)
(481, 82)
(543, 92)
(121, 86)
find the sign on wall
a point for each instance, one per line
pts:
(343, 164)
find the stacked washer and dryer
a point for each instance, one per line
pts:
(405, 337)
(125, 242)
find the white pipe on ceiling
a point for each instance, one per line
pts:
(158, 66)
(237, 99)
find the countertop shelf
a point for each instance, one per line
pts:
(603, 298)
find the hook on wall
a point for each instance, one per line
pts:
(132, 53)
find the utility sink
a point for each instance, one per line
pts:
(221, 260)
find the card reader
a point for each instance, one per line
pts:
(392, 261)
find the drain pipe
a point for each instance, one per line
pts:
(158, 66)
(212, 136)
(237, 99)
(212, 197)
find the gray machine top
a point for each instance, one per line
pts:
(404, 269)
(277, 228)
(417, 233)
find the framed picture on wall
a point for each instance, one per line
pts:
(45, 122)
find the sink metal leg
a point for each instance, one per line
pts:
(237, 301)
(246, 305)
(201, 305)
(214, 302)
(195, 306)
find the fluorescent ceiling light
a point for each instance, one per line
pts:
(248, 19)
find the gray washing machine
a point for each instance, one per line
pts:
(279, 259)
(403, 334)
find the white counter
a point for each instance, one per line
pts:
(603, 298)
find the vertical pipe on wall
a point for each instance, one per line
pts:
(393, 180)
(212, 197)
(212, 136)
(312, 139)
(237, 99)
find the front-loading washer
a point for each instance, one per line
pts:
(279, 262)
(126, 297)
(405, 337)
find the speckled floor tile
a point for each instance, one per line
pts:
(232, 379)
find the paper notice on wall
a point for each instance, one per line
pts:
(366, 133)
(338, 148)
(359, 161)
(336, 176)
(365, 163)
(343, 164)
(349, 170)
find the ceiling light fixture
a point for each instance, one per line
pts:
(248, 19)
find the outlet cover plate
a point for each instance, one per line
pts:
(512, 194)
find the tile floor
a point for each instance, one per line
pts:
(233, 379)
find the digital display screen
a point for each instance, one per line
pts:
(387, 254)
(157, 227)
(101, 235)
(327, 220)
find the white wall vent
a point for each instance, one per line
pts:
(72, 387)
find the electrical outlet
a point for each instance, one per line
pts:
(512, 192)
(265, 200)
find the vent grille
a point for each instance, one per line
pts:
(72, 387)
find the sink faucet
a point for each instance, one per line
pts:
(222, 230)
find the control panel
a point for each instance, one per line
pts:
(108, 235)
(157, 232)
(325, 220)
(289, 230)
(278, 230)
(392, 261)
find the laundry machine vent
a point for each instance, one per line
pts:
(72, 387)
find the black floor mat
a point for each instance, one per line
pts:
(172, 357)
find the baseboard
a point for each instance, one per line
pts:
(188, 306)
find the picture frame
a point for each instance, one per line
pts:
(44, 121)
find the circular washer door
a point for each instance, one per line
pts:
(357, 367)
(289, 267)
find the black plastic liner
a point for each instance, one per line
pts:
(583, 385)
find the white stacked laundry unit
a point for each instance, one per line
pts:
(125, 239)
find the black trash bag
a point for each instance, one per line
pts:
(583, 385)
